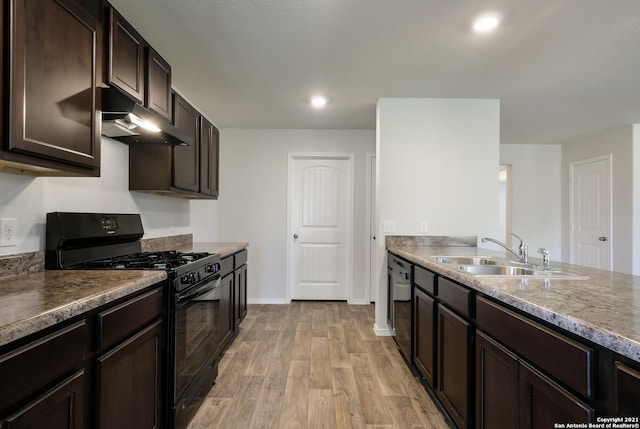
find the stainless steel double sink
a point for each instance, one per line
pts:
(489, 266)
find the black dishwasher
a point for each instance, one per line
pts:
(399, 298)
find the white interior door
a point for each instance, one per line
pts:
(590, 213)
(320, 226)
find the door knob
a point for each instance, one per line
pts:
(602, 238)
(295, 235)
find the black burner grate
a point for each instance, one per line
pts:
(165, 260)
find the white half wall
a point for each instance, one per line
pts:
(536, 195)
(619, 143)
(253, 201)
(437, 160)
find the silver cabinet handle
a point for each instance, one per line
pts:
(602, 238)
(295, 235)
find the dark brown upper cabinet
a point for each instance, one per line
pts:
(136, 68)
(209, 153)
(158, 96)
(126, 57)
(179, 171)
(54, 53)
(186, 159)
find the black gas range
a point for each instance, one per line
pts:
(196, 321)
(97, 241)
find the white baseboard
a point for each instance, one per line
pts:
(267, 301)
(384, 332)
(358, 302)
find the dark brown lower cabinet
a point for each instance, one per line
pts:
(62, 407)
(454, 371)
(424, 322)
(129, 379)
(496, 385)
(626, 390)
(240, 295)
(226, 311)
(542, 402)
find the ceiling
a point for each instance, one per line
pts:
(561, 68)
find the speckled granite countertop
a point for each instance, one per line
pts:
(223, 249)
(184, 243)
(604, 309)
(31, 302)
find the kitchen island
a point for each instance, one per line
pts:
(604, 309)
(523, 352)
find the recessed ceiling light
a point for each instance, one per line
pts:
(486, 23)
(318, 101)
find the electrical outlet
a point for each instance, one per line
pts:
(424, 226)
(8, 232)
(389, 226)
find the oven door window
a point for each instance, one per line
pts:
(198, 335)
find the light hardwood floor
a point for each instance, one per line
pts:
(314, 365)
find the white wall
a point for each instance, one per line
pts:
(29, 199)
(618, 142)
(253, 201)
(437, 160)
(536, 175)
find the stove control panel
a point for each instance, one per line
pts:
(212, 268)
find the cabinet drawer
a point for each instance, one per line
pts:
(240, 259)
(565, 359)
(424, 279)
(226, 266)
(125, 319)
(35, 365)
(455, 296)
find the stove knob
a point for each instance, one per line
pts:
(185, 279)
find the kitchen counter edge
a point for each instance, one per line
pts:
(32, 302)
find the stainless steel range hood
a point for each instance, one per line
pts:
(125, 120)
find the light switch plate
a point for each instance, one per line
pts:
(8, 232)
(389, 226)
(424, 226)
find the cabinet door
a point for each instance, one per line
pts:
(158, 85)
(62, 407)
(627, 390)
(126, 57)
(496, 385)
(130, 382)
(454, 338)
(240, 295)
(543, 403)
(424, 322)
(226, 312)
(209, 153)
(186, 159)
(55, 69)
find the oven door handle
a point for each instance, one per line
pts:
(192, 294)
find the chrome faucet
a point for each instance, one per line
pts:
(546, 264)
(523, 249)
